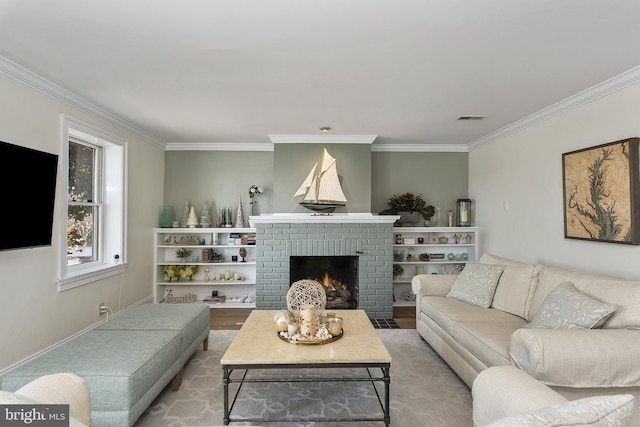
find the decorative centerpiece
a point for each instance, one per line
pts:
(304, 293)
(306, 322)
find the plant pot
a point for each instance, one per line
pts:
(408, 219)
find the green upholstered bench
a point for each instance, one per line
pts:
(127, 361)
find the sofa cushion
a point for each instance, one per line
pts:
(487, 341)
(446, 312)
(516, 286)
(597, 411)
(134, 360)
(566, 308)
(476, 284)
(625, 294)
(193, 321)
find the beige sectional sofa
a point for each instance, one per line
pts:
(62, 388)
(574, 361)
(505, 396)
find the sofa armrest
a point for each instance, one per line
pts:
(578, 358)
(503, 391)
(432, 284)
(62, 388)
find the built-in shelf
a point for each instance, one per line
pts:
(461, 245)
(225, 243)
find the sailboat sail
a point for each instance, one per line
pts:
(307, 182)
(323, 189)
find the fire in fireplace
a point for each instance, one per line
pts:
(337, 274)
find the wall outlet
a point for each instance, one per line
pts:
(102, 308)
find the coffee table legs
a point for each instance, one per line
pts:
(228, 406)
(225, 384)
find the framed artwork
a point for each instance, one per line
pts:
(601, 193)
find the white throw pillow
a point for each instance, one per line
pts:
(598, 411)
(566, 308)
(476, 284)
(516, 286)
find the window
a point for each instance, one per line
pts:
(93, 229)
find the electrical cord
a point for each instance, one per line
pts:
(107, 310)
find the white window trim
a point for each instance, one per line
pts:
(95, 271)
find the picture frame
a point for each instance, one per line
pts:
(601, 189)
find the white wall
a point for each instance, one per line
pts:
(33, 314)
(524, 169)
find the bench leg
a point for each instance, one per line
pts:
(176, 381)
(205, 344)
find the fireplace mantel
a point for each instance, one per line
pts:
(305, 218)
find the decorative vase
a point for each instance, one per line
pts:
(166, 217)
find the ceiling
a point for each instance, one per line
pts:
(238, 71)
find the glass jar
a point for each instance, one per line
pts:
(166, 217)
(464, 212)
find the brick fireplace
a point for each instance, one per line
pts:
(367, 236)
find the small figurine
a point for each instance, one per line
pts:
(243, 254)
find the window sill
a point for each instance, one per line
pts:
(89, 276)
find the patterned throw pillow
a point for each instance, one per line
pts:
(476, 284)
(566, 308)
(598, 411)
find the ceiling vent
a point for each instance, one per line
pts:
(472, 117)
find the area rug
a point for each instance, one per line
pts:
(424, 392)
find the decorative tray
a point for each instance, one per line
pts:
(314, 341)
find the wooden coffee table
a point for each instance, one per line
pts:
(258, 346)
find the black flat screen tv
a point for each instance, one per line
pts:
(28, 191)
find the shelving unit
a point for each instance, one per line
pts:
(225, 243)
(461, 244)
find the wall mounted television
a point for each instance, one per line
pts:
(28, 190)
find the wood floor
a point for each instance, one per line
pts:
(233, 318)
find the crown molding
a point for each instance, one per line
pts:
(323, 139)
(219, 146)
(420, 148)
(39, 83)
(600, 90)
(258, 146)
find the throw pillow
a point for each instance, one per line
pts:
(566, 308)
(476, 284)
(598, 411)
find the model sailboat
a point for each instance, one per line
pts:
(322, 189)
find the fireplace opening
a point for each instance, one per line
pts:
(337, 274)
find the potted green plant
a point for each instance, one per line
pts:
(182, 254)
(398, 270)
(409, 207)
